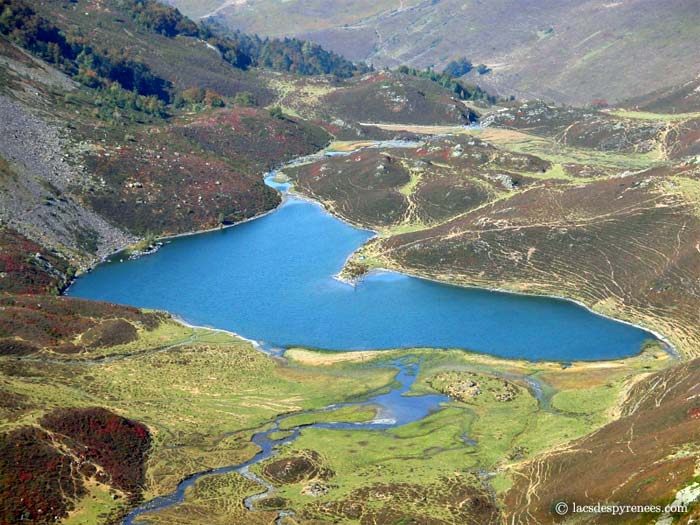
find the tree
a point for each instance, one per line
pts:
(244, 98)
(458, 68)
(276, 112)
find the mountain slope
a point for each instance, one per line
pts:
(100, 110)
(637, 459)
(570, 51)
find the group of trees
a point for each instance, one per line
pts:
(101, 69)
(160, 18)
(290, 54)
(125, 81)
(462, 66)
(22, 25)
(240, 49)
(197, 97)
(304, 58)
(459, 67)
(448, 81)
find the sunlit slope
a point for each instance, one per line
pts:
(601, 207)
(614, 50)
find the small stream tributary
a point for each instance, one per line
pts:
(394, 409)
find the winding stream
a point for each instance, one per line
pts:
(395, 409)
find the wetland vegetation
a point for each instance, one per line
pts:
(373, 398)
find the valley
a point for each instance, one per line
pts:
(574, 51)
(244, 280)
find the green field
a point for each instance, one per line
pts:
(220, 390)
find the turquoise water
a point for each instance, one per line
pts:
(271, 280)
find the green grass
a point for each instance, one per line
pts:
(213, 500)
(557, 153)
(348, 414)
(405, 227)
(94, 507)
(646, 115)
(594, 53)
(411, 185)
(689, 189)
(282, 434)
(587, 401)
(420, 452)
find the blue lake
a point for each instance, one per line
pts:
(271, 280)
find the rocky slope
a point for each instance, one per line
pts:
(42, 167)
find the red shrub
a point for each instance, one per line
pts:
(117, 444)
(36, 482)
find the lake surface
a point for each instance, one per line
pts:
(271, 280)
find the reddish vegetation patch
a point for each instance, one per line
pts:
(111, 332)
(42, 473)
(199, 173)
(97, 435)
(54, 322)
(26, 268)
(260, 140)
(36, 480)
(161, 191)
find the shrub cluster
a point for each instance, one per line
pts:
(446, 80)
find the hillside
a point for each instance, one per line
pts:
(123, 121)
(684, 98)
(656, 422)
(613, 51)
(91, 138)
(598, 206)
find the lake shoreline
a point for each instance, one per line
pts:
(289, 194)
(671, 350)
